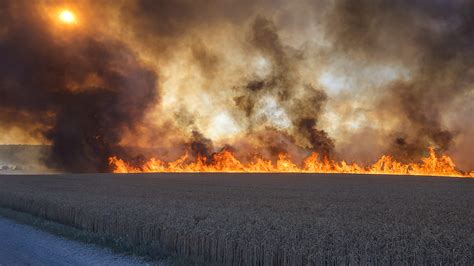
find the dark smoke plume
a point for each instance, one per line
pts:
(282, 83)
(84, 90)
(201, 146)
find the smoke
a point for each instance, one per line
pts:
(347, 79)
(201, 146)
(435, 39)
(84, 90)
(302, 103)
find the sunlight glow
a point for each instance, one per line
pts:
(67, 17)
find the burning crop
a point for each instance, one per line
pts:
(225, 161)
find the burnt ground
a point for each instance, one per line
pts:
(262, 218)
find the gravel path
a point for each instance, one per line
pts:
(24, 245)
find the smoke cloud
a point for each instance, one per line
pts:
(348, 79)
(433, 38)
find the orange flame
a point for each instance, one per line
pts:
(225, 161)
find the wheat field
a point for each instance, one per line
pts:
(269, 219)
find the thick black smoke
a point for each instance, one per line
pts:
(83, 88)
(200, 146)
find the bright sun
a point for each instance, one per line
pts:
(68, 17)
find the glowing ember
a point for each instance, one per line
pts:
(225, 161)
(67, 17)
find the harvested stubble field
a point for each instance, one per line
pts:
(263, 219)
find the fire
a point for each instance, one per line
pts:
(225, 161)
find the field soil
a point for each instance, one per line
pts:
(262, 219)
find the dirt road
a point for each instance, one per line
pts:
(24, 245)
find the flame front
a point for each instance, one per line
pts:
(225, 161)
